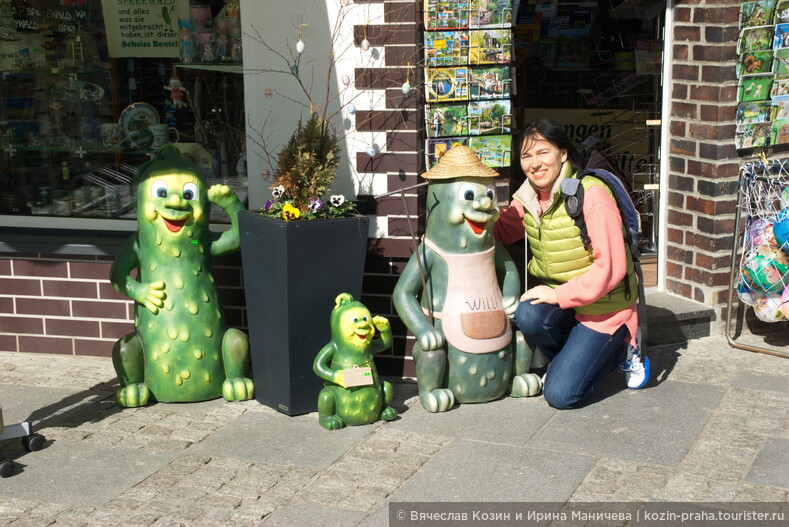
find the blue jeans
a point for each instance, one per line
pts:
(580, 357)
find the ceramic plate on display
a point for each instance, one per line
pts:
(135, 122)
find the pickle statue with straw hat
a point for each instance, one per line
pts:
(459, 290)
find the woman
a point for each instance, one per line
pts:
(579, 315)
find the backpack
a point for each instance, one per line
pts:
(573, 195)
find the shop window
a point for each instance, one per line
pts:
(90, 89)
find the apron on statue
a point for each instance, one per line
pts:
(473, 318)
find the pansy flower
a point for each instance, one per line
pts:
(289, 212)
(268, 205)
(278, 191)
(314, 205)
(337, 200)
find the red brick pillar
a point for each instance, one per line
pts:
(703, 163)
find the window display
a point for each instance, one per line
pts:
(90, 90)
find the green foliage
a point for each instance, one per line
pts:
(308, 164)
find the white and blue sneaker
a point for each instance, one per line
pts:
(636, 371)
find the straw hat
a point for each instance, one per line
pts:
(459, 161)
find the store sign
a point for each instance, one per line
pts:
(622, 130)
(143, 28)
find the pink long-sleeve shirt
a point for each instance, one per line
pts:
(604, 226)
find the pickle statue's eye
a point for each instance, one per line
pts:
(466, 192)
(190, 191)
(159, 189)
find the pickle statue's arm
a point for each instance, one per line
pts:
(224, 197)
(151, 295)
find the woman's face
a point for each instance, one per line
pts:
(541, 162)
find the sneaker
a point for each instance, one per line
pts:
(636, 372)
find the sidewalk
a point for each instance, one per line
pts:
(711, 426)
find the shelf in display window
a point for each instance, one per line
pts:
(221, 67)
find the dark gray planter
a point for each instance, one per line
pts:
(293, 271)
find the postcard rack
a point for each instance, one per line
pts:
(762, 196)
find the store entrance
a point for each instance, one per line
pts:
(596, 68)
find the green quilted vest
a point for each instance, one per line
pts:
(558, 253)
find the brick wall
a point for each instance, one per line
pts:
(52, 304)
(703, 163)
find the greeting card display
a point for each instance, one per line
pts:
(468, 79)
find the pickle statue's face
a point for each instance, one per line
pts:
(461, 213)
(173, 202)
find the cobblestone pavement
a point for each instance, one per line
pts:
(712, 426)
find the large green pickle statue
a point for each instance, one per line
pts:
(180, 350)
(353, 393)
(458, 292)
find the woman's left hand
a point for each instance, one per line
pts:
(542, 294)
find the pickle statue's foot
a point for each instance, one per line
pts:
(526, 385)
(438, 400)
(133, 395)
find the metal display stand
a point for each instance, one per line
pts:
(758, 181)
(30, 440)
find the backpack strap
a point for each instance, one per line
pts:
(573, 196)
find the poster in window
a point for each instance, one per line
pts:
(144, 28)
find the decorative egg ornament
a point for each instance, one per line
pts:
(365, 45)
(351, 109)
(269, 93)
(406, 87)
(371, 151)
(300, 47)
(346, 80)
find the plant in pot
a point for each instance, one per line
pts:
(299, 251)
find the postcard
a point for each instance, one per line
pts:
(446, 48)
(754, 87)
(493, 150)
(485, 13)
(489, 83)
(755, 62)
(753, 112)
(489, 117)
(759, 13)
(756, 39)
(436, 148)
(446, 84)
(446, 14)
(490, 46)
(753, 136)
(446, 120)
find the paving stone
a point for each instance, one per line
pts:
(632, 425)
(771, 465)
(517, 420)
(76, 473)
(281, 440)
(309, 514)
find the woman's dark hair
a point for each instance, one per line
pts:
(552, 132)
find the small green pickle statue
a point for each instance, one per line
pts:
(180, 350)
(457, 292)
(353, 393)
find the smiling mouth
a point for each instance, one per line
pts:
(477, 226)
(174, 225)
